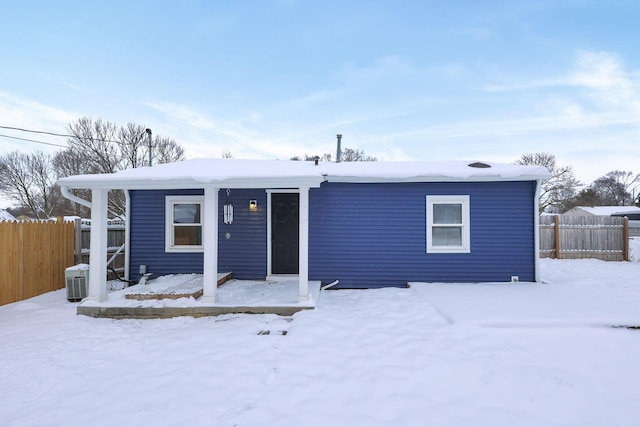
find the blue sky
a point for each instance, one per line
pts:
(418, 80)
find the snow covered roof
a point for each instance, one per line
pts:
(6, 216)
(235, 173)
(603, 210)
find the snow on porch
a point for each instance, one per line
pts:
(172, 296)
(169, 287)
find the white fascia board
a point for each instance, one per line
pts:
(269, 182)
(150, 184)
(356, 179)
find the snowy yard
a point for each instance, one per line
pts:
(439, 355)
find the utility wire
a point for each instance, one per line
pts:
(36, 131)
(33, 140)
(64, 135)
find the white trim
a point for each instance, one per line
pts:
(107, 181)
(127, 234)
(465, 247)
(303, 244)
(282, 276)
(112, 182)
(171, 200)
(426, 178)
(98, 251)
(269, 192)
(210, 242)
(536, 231)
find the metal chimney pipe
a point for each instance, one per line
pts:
(339, 152)
(150, 145)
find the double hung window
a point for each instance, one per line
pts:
(448, 224)
(184, 223)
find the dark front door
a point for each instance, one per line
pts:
(284, 233)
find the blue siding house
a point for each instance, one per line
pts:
(365, 224)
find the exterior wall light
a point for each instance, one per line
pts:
(253, 205)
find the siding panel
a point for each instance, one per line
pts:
(365, 235)
(375, 234)
(242, 247)
(242, 251)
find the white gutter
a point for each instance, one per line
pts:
(127, 233)
(66, 193)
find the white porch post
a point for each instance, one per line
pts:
(303, 246)
(210, 242)
(98, 251)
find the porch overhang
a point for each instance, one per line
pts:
(174, 184)
(99, 215)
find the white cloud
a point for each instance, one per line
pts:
(24, 113)
(591, 70)
(183, 114)
(597, 92)
(14, 108)
(391, 67)
(599, 70)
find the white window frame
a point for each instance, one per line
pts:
(170, 201)
(465, 247)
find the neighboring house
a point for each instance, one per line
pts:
(6, 216)
(632, 212)
(366, 224)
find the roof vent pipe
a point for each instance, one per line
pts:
(339, 152)
(149, 145)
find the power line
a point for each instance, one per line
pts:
(64, 135)
(37, 131)
(33, 140)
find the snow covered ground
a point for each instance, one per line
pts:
(438, 355)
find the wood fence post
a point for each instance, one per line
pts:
(21, 267)
(625, 238)
(77, 246)
(556, 235)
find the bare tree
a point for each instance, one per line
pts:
(311, 157)
(226, 154)
(95, 146)
(558, 190)
(614, 188)
(98, 146)
(109, 148)
(95, 141)
(347, 155)
(355, 155)
(133, 146)
(166, 150)
(67, 163)
(586, 197)
(27, 179)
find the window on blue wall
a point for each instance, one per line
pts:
(448, 224)
(184, 216)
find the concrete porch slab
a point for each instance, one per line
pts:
(168, 312)
(235, 296)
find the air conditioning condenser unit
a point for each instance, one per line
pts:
(77, 281)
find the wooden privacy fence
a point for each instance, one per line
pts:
(115, 239)
(33, 257)
(572, 237)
